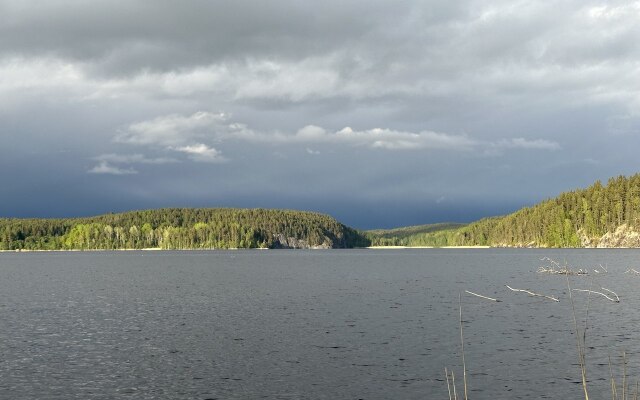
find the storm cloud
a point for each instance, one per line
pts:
(379, 113)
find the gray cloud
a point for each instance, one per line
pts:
(125, 36)
(372, 102)
(521, 143)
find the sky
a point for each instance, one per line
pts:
(379, 113)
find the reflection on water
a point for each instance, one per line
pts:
(337, 324)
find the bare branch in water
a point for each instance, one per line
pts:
(612, 292)
(600, 293)
(481, 296)
(632, 271)
(532, 293)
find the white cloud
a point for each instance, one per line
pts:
(390, 139)
(182, 134)
(38, 74)
(177, 133)
(201, 153)
(108, 163)
(104, 167)
(606, 12)
(310, 133)
(133, 159)
(171, 130)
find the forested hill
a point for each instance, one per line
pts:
(599, 216)
(181, 228)
(409, 236)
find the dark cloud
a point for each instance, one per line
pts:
(124, 36)
(381, 113)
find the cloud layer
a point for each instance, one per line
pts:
(341, 107)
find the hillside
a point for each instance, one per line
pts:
(598, 216)
(408, 236)
(181, 228)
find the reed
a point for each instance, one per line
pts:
(581, 352)
(624, 375)
(464, 365)
(446, 374)
(622, 392)
(614, 392)
(586, 319)
(453, 380)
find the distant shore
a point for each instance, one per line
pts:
(81, 250)
(425, 247)
(160, 249)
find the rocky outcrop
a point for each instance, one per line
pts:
(587, 241)
(623, 236)
(283, 242)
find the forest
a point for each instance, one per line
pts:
(578, 218)
(181, 228)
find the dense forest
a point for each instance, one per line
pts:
(181, 229)
(599, 216)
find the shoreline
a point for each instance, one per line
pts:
(158, 249)
(425, 247)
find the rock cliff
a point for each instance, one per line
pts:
(623, 236)
(283, 242)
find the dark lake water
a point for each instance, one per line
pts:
(335, 324)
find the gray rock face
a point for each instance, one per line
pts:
(283, 242)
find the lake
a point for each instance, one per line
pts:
(325, 324)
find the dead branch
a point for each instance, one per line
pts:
(612, 292)
(632, 271)
(532, 293)
(603, 269)
(481, 296)
(553, 267)
(600, 293)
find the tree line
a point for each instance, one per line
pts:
(575, 218)
(179, 228)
